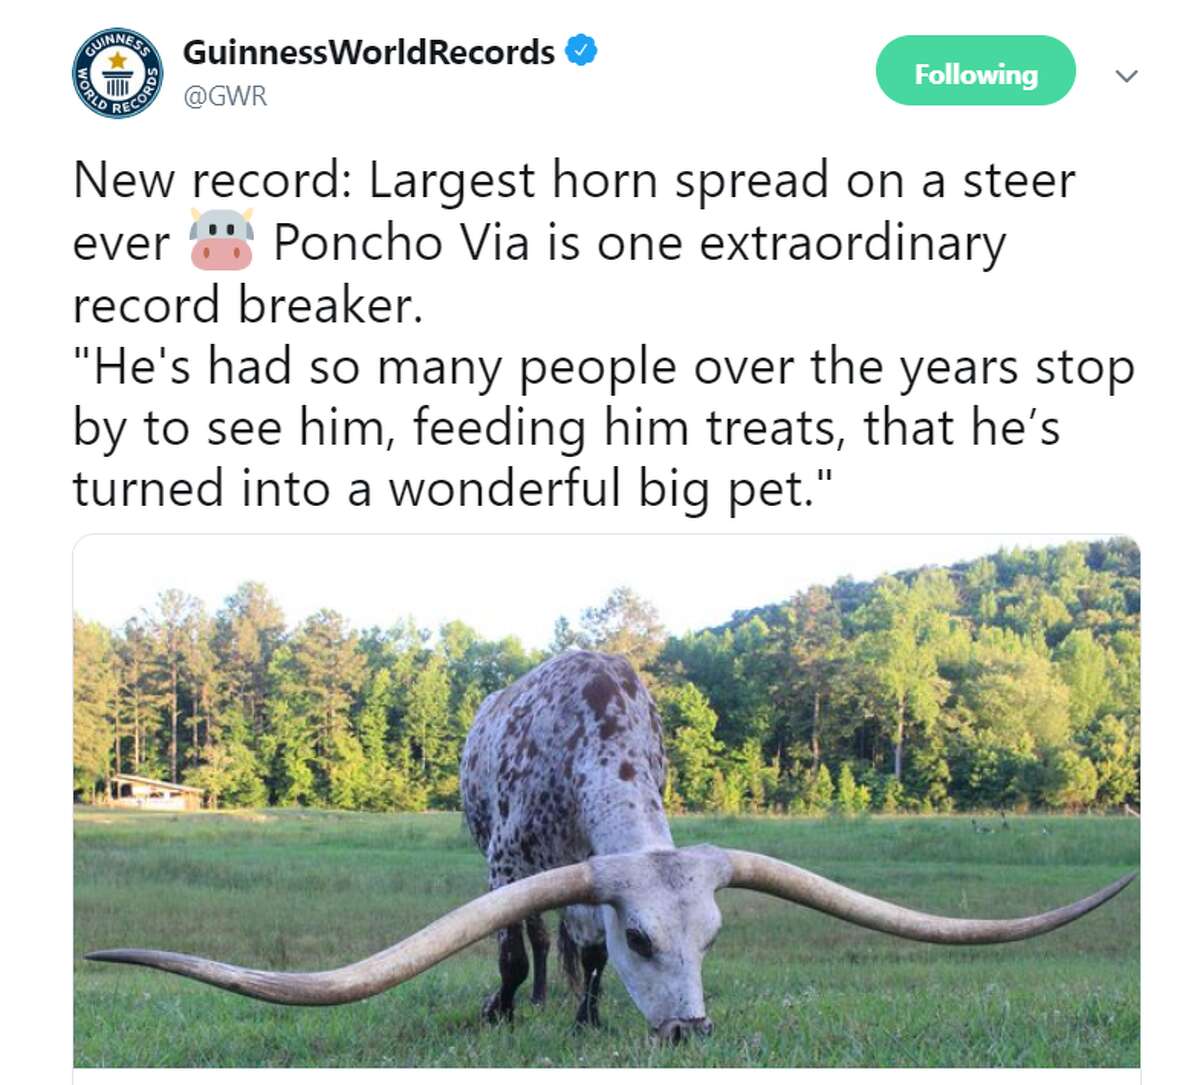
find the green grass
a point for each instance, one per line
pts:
(785, 986)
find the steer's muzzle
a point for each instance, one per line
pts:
(678, 1029)
(221, 253)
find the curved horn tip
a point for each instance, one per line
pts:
(118, 956)
(1113, 888)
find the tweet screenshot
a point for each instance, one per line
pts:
(575, 535)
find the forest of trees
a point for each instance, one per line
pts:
(1011, 682)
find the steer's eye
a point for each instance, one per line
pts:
(639, 943)
(212, 229)
(229, 229)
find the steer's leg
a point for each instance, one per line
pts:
(514, 967)
(592, 959)
(539, 941)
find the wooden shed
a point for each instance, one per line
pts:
(147, 794)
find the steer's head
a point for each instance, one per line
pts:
(661, 921)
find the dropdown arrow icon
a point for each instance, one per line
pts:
(1126, 78)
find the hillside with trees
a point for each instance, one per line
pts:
(1010, 682)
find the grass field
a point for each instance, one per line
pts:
(785, 986)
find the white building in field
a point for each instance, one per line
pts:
(147, 794)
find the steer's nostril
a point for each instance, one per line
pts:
(205, 252)
(237, 252)
(678, 1029)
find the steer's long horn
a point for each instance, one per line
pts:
(767, 875)
(458, 929)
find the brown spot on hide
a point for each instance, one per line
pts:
(626, 771)
(629, 678)
(609, 727)
(598, 692)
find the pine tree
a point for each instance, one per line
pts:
(816, 795)
(229, 772)
(852, 797)
(95, 696)
(817, 649)
(326, 672)
(249, 628)
(172, 626)
(426, 724)
(141, 694)
(383, 786)
(202, 676)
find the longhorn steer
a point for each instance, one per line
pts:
(561, 780)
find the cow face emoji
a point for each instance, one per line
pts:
(222, 240)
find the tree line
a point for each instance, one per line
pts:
(1009, 682)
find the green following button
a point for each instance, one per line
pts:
(975, 69)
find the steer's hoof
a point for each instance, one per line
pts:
(494, 1011)
(585, 1020)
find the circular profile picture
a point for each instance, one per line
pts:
(117, 73)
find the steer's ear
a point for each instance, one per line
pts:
(249, 229)
(195, 224)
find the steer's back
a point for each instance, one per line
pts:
(565, 763)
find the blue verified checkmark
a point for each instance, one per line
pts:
(580, 49)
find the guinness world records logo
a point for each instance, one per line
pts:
(117, 73)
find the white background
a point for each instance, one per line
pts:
(675, 86)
